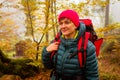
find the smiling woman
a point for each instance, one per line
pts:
(68, 23)
(67, 28)
(64, 66)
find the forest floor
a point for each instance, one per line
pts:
(109, 66)
(109, 69)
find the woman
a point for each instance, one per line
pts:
(66, 68)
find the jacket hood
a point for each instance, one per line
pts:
(81, 29)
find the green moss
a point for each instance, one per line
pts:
(4, 58)
(17, 66)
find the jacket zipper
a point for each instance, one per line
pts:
(63, 59)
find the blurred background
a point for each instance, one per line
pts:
(26, 26)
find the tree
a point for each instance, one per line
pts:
(39, 16)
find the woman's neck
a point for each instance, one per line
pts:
(71, 36)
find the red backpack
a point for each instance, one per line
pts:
(90, 34)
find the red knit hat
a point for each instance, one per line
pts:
(70, 14)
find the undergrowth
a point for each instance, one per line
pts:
(109, 66)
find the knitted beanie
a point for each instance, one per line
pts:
(70, 14)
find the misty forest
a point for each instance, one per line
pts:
(26, 26)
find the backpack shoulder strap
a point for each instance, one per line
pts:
(82, 45)
(57, 39)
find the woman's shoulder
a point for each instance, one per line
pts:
(90, 44)
(91, 48)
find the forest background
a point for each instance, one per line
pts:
(26, 26)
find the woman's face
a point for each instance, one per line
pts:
(67, 28)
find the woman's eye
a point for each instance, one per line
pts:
(67, 22)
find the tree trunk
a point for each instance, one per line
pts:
(53, 18)
(107, 14)
(47, 18)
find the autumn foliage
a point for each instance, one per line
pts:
(26, 34)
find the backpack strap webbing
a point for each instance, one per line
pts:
(57, 39)
(82, 45)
